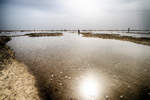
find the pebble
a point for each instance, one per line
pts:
(61, 72)
(107, 97)
(66, 76)
(69, 78)
(145, 70)
(52, 75)
(60, 84)
(128, 86)
(121, 96)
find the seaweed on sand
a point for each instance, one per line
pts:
(5, 52)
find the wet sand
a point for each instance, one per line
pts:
(16, 83)
(75, 67)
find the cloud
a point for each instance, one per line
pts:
(57, 14)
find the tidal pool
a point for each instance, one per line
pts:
(72, 67)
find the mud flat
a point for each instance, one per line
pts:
(16, 83)
(4, 40)
(142, 40)
(44, 34)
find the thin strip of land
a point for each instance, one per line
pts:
(43, 34)
(141, 40)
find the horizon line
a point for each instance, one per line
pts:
(22, 30)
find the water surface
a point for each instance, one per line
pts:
(72, 67)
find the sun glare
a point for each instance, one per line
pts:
(83, 6)
(89, 87)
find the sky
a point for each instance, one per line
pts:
(74, 14)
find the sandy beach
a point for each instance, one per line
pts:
(16, 83)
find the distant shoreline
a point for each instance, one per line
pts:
(138, 40)
(66, 30)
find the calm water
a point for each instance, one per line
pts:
(72, 67)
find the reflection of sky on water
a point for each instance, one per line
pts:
(80, 68)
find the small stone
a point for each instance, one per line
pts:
(145, 70)
(60, 84)
(128, 86)
(52, 75)
(51, 79)
(121, 96)
(61, 72)
(106, 96)
(69, 78)
(66, 76)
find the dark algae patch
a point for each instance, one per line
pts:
(5, 52)
(44, 34)
(4, 40)
(141, 40)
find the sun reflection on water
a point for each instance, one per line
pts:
(90, 87)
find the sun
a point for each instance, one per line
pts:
(83, 6)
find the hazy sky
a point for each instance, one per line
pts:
(74, 14)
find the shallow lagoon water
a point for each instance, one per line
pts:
(72, 67)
